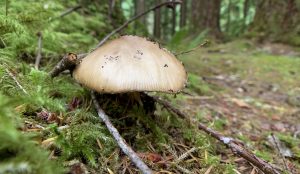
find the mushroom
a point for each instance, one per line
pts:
(131, 64)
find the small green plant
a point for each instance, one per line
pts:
(81, 139)
(19, 153)
(196, 84)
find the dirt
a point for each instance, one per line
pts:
(251, 109)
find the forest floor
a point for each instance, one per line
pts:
(249, 92)
(243, 90)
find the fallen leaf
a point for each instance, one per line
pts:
(75, 102)
(278, 127)
(110, 171)
(153, 157)
(20, 108)
(240, 103)
(48, 142)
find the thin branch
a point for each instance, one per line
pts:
(69, 61)
(279, 151)
(241, 151)
(16, 80)
(185, 155)
(193, 49)
(120, 141)
(4, 44)
(135, 18)
(65, 63)
(65, 13)
(70, 10)
(39, 52)
(227, 141)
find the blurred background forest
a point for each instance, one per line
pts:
(244, 83)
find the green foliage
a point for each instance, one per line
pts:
(292, 142)
(196, 84)
(80, 141)
(233, 20)
(178, 37)
(159, 134)
(264, 155)
(77, 32)
(198, 39)
(18, 152)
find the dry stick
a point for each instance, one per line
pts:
(66, 63)
(70, 10)
(193, 49)
(16, 80)
(121, 142)
(39, 52)
(227, 141)
(279, 151)
(135, 18)
(241, 151)
(69, 61)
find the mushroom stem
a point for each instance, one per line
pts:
(120, 141)
(69, 61)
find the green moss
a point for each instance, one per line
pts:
(19, 153)
(264, 155)
(196, 84)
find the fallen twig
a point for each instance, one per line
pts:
(227, 141)
(120, 141)
(193, 49)
(185, 155)
(279, 151)
(70, 60)
(68, 11)
(16, 80)
(135, 18)
(39, 52)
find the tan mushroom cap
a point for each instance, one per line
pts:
(131, 63)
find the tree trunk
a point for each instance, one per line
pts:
(278, 20)
(183, 9)
(228, 16)
(115, 13)
(166, 25)
(173, 20)
(140, 8)
(206, 15)
(157, 17)
(111, 5)
(246, 9)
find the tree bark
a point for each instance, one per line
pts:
(183, 9)
(246, 10)
(206, 15)
(277, 20)
(140, 8)
(228, 16)
(165, 25)
(157, 18)
(173, 20)
(115, 13)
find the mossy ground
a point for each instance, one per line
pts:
(52, 127)
(248, 92)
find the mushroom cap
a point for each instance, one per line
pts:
(131, 63)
